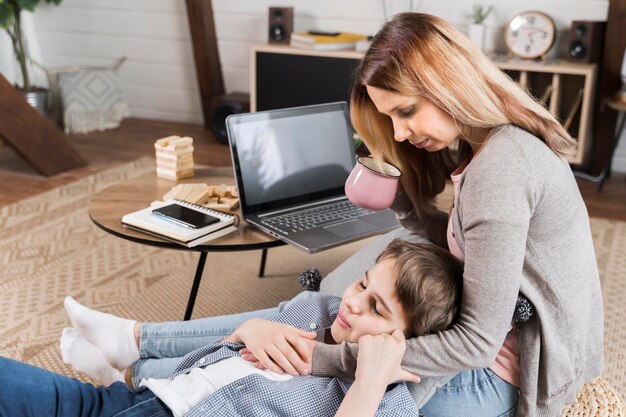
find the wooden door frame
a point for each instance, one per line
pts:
(609, 82)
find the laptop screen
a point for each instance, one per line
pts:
(291, 156)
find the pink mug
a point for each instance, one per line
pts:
(372, 185)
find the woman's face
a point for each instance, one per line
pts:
(416, 119)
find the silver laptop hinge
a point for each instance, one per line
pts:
(303, 206)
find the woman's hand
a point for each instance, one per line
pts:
(380, 357)
(275, 346)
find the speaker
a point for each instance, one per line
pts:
(586, 39)
(280, 24)
(224, 106)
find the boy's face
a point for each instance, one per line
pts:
(369, 306)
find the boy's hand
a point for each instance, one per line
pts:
(275, 346)
(378, 365)
(379, 359)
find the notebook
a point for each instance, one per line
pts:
(291, 166)
(146, 221)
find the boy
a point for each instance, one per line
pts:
(413, 289)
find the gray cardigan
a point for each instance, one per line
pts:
(523, 227)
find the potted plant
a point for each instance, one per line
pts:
(11, 21)
(477, 28)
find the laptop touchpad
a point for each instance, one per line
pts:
(351, 228)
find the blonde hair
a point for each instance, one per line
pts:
(416, 54)
(429, 282)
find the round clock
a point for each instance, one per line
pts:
(530, 34)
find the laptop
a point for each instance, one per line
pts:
(291, 166)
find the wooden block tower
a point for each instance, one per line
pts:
(174, 157)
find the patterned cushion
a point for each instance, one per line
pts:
(92, 100)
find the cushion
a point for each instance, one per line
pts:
(92, 99)
(54, 96)
(596, 399)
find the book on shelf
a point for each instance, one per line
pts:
(146, 221)
(316, 42)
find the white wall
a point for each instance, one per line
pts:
(159, 77)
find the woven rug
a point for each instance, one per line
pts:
(49, 249)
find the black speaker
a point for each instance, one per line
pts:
(233, 103)
(280, 24)
(586, 39)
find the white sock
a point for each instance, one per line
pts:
(84, 357)
(113, 336)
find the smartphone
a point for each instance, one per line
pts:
(184, 216)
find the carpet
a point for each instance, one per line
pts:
(49, 249)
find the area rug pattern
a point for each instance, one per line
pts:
(49, 248)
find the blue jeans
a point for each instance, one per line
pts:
(162, 345)
(27, 391)
(474, 393)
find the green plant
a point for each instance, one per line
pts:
(10, 20)
(480, 13)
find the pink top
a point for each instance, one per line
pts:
(506, 365)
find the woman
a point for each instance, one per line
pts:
(518, 222)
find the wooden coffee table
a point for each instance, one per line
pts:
(108, 206)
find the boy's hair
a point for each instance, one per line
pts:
(429, 281)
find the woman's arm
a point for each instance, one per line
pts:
(495, 212)
(432, 227)
(377, 367)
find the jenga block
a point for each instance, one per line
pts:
(167, 153)
(194, 193)
(217, 206)
(222, 197)
(163, 142)
(174, 175)
(175, 165)
(172, 158)
(231, 202)
(171, 143)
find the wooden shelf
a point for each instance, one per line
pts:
(567, 88)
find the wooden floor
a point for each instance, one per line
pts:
(136, 138)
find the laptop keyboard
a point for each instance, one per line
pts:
(315, 217)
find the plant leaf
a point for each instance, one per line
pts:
(26, 4)
(6, 14)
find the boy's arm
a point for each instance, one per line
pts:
(362, 399)
(378, 365)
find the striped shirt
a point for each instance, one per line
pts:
(307, 395)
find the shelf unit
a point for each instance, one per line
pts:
(567, 89)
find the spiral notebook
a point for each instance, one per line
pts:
(146, 221)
